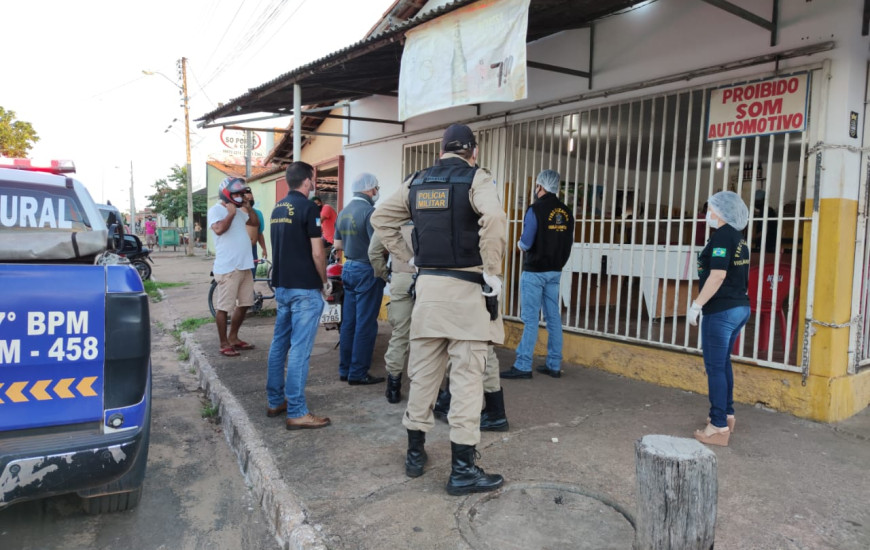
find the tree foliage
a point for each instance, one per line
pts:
(170, 196)
(16, 137)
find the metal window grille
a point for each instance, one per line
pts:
(637, 175)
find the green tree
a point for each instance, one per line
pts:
(170, 196)
(16, 137)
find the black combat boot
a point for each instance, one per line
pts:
(394, 388)
(467, 478)
(416, 458)
(442, 404)
(493, 419)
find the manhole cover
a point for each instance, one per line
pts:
(544, 515)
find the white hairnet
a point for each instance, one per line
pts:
(731, 208)
(364, 182)
(549, 180)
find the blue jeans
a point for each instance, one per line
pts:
(363, 294)
(538, 289)
(254, 252)
(295, 328)
(718, 334)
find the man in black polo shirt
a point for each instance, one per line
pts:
(299, 277)
(548, 235)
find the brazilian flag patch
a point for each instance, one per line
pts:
(719, 252)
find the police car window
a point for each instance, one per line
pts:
(29, 208)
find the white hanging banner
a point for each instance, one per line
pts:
(475, 54)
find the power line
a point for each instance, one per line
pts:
(118, 87)
(224, 35)
(254, 35)
(200, 86)
(220, 66)
(280, 28)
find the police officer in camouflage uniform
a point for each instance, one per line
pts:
(459, 242)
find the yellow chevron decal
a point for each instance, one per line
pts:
(14, 392)
(62, 388)
(85, 388)
(38, 390)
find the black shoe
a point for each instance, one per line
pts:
(366, 381)
(545, 370)
(342, 378)
(515, 373)
(493, 419)
(442, 404)
(467, 478)
(394, 388)
(416, 457)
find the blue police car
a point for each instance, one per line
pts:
(75, 346)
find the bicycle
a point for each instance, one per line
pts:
(261, 284)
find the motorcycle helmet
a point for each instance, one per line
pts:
(229, 187)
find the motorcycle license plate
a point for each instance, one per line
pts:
(331, 314)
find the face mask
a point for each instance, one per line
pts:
(376, 196)
(710, 221)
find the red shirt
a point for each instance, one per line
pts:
(327, 222)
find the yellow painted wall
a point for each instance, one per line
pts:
(832, 302)
(823, 398)
(320, 148)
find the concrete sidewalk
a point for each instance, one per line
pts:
(568, 459)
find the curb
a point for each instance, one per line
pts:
(283, 510)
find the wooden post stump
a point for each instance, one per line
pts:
(676, 494)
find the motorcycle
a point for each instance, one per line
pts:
(137, 255)
(330, 319)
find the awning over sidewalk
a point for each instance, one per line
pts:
(371, 66)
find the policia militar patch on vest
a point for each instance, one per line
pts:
(446, 226)
(433, 199)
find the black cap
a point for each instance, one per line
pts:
(457, 137)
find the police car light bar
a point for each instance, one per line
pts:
(51, 166)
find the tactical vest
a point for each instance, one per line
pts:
(445, 225)
(554, 237)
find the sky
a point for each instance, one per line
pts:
(74, 70)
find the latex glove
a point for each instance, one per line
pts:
(694, 314)
(412, 265)
(494, 282)
(327, 288)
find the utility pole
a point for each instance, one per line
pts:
(249, 146)
(187, 143)
(132, 202)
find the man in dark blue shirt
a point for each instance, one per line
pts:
(548, 235)
(363, 292)
(299, 277)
